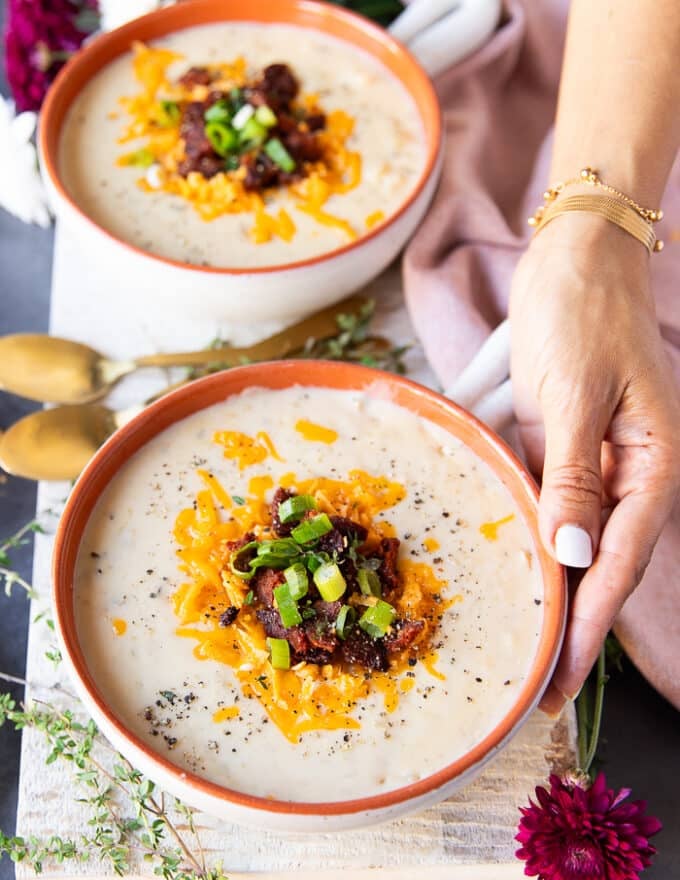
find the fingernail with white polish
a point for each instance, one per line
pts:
(573, 546)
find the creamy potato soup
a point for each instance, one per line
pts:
(194, 679)
(123, 150)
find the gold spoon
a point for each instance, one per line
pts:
(55, 370)
(56, 444)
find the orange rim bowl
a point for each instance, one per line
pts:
(332, 375)
(328, 19)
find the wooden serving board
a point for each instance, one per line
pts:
(469, 837)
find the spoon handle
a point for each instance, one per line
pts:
(318, 326)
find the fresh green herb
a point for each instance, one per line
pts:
(143, 158)
(265, 116)
(8, 576)
(223, 139)
(231, 163)
(171, 114)
(345, 621)
(170, 696)
(381, 11)
(220, 111)
(250, 598)
(54, 656)
(292, 509)
(297, 580)
(280, 653)
(252, 134)
(287, 606)
(377, 619)
(279, 155)
(330, 581)
(312, 529)
(238, 500)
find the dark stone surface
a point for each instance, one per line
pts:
(641, 733)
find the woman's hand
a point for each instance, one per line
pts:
(599, 416)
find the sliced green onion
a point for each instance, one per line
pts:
(252, 132)
(140, 158)
(345, 621)
(369, 582)
(171, 113)
(240, 560)
(280, 547)
(279, 155)
(296, 578)
(329, 581)
(377, 619)
(222, 138)
(220, 111)
(231, 163)
(315, 560)
(288, 610)
(266, 116)
(293, 508)
(242, 115)
(270, 560)
(311, 529)
(250, 598)
(237, 99)
(280, 653)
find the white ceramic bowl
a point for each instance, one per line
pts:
(240, 806)
(270, 294)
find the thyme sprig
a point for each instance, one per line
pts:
(128, 814)
(353, 342)
(8, 576)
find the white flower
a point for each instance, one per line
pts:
(114, 13)
(21, 190)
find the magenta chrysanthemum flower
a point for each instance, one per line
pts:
(585, 833)
(40, 36)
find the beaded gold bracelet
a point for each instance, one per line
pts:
(616, 207)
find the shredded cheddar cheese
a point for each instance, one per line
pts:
(336, 173)
(315, 433)
(119, 626)
(490, 529)
(246, 450)
(226, 713)
(306, 697)
(431, 544)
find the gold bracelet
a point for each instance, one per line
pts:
(590, 176)
(612, 209)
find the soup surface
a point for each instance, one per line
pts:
(386, 136)
(455, 519)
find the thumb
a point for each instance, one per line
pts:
(571, 494)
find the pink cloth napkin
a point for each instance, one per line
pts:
(499, 105)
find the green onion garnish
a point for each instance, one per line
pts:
(170, 113)
(296, 578)
(345, 621)
(377, 619)
(315, 560)
(280, 653)
(369, 582)
(252, 133)
(293, 508)
(141, 158)
(222, 138)
(237, 98)
(240, 560)
(220, 111)
(288, 610)
(231, 163)
(311, 529)
(279, 547)
(266, 116)
(329, 581)
(279, 155)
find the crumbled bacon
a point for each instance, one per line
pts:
(389, 550)
(229, 616)
(360, 649)
(402, 635)
(265, 581)
(196, 76)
